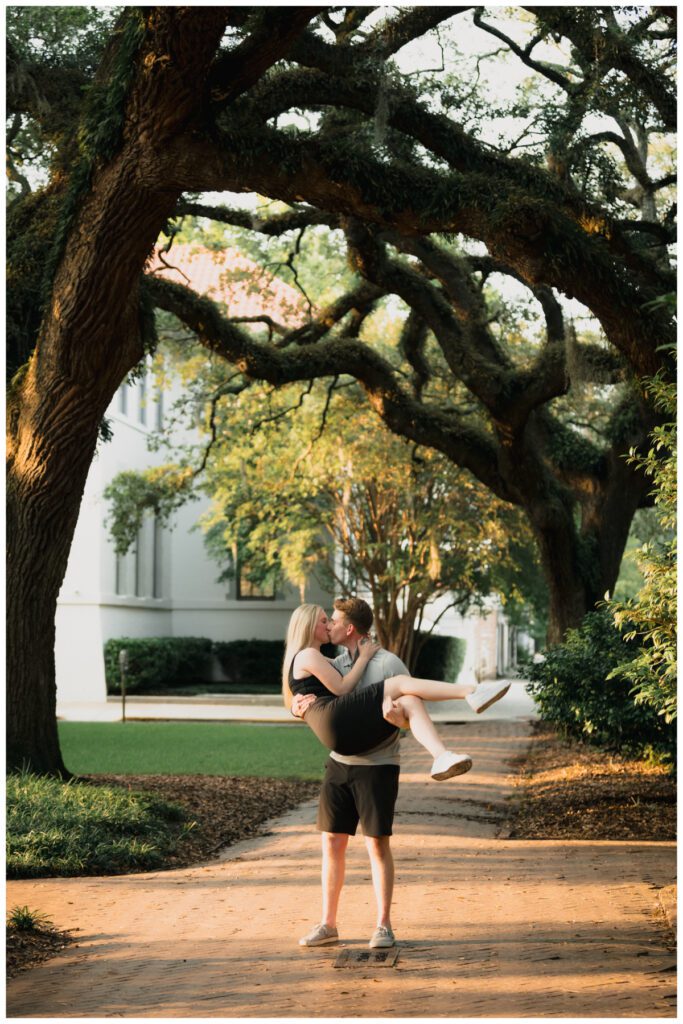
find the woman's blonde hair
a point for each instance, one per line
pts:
(300, 634)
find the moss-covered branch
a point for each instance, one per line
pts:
(274, 33)
(526, 231)
(276, 224)
(436, 426)
(614, 48)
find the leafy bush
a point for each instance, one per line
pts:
(157, 662)
(251, 661)
(574, 690)
(441, 657)
(652, 615)
(246, 662)
(72, 828)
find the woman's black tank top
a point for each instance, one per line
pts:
(307, 684)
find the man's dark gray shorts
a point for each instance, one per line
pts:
(353, 793)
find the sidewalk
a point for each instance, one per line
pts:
(256, 708)
(487, 926)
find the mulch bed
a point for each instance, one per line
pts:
(27, 948)
(571, 790)
(226, 810)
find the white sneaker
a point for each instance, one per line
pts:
(321, 935)
(486, 694)
(382, 938)
(448, 764)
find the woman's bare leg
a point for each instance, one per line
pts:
(421, 725)
(447, 763)
(427, 689)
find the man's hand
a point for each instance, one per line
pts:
(393, 712)
(367, 649)
(301, 703)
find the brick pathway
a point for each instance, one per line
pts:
(487, 926)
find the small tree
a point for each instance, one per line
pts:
(651, 616)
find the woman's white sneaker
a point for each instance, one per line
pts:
(448, 764)
(485, 695)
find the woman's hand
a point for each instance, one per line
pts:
(367, 649)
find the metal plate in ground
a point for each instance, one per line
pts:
(367, 958)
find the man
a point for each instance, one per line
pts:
(364, 787)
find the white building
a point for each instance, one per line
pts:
(166, 585)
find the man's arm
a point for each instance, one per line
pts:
(391, 709)
(301, 702)
(394, 714)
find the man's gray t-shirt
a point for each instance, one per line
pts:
(383, 665)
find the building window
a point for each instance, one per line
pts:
(138, 572)
(248, 591)
(142, 403)
(160, 409)
(158, 551)
(144, 574)
(123, 399)
(126, 572)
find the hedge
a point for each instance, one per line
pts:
(441, 657)
(155, 662)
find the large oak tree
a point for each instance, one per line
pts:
(187, 100)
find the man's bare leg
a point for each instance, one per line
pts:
(334, 846)
(382, 866)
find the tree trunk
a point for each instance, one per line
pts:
(54, 412)
(582, 567)
(43, 501)
(89, 340)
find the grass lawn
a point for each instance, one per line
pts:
(57, 828)
(191, 748)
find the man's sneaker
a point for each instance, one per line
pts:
(485, 695)
(382, 938)
(447, 765)
(320, 936)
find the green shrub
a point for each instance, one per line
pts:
(246, 662)
(193, 659)
(251, 661)
(574, 691)
(441, 657)
(652, 616)
(157, 662)
(72, 828)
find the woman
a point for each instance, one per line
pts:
(352, 721)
